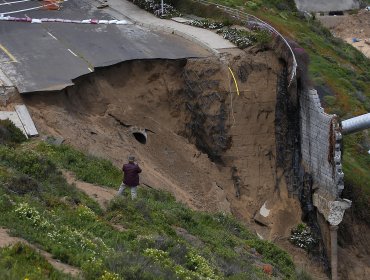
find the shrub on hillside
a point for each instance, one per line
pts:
(22, 185)
(302, 237)
(155, 7)
(244, 39)
(206, 24)
(10, 134)
(274, 255)
(27, 162)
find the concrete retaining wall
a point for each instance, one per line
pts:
(321, 157)
(318, 141)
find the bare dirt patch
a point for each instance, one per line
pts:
(348, 27)
(354, 248)
(97, 193)
(303, 261)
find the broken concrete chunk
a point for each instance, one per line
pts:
(261, 216)
(102, 6)
(261, 219)
(264, 211)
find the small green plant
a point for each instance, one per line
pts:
(200, 265)
(275, 256)
(197, 266)
(154, 6)
(110, 276)
(208, 24)
(302, 237)
(241, 38)
(263, 39)
(252, 5)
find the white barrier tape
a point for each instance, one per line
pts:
(85, 21)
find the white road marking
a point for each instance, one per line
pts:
(5, 3)
(72, 52)
(19, 11)
(90, 69)
(29, 9)
(14, 2)
(52, 36)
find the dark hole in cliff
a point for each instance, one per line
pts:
(140, 137)
(336, 13)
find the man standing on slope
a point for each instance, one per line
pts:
(131, 172)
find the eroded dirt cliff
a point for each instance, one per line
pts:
(213, 149)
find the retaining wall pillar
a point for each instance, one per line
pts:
(334, 251)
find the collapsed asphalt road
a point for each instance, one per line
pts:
(48, 56)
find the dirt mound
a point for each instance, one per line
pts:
(349, 27)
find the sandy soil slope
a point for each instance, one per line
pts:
(348, 27)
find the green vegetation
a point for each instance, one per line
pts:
(152, 237)
(10, 134)
(22, 262)
(87, 168)
(302, 237)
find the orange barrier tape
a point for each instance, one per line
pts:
(51, 4)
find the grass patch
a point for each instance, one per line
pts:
(162, 239)
(356, 168)
(86, 167)
(22, 262)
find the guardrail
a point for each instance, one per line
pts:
(252, 20)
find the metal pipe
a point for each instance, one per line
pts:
(356, 124)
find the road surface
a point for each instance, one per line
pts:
(48, 56)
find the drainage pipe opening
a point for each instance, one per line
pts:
(141, 137)
(336, 13)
